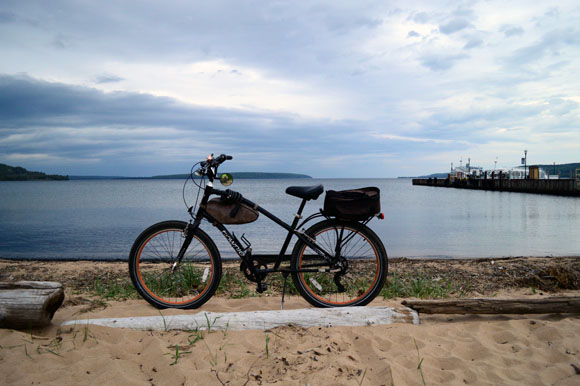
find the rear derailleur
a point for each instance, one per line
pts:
(342, 263)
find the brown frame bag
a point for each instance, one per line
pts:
(226, 212)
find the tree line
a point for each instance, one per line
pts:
(17, 173)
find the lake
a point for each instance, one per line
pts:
(100, 219)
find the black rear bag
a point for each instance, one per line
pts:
(355, 204)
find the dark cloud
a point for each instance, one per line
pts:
(7, 17)
(79, 125)
(287, 38)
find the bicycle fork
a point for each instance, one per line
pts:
(188, 236)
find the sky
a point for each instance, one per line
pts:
(325, 88)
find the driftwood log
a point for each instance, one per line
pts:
(559, 305)
(262, 320)
(26, 304)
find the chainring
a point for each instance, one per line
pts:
(256, 278)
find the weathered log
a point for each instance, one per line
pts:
(262, 320)
(496, 306)
(26, 304)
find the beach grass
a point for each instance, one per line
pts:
(235, 286)
(94, 284)
(423, 286)
(114, 289)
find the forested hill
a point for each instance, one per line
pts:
(16, 173)
(563, 170)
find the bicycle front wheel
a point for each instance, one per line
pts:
(357, 278)
(161, 279)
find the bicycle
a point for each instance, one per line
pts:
(338, 261)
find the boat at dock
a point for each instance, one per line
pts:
(531, 179)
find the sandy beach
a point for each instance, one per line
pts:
(443, 349)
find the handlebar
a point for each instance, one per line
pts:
(216, 161)
(207, 165)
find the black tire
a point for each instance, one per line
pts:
(365, 273)
(195, 279)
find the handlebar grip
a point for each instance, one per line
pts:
(223, 158)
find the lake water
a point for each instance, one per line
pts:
(101, 219)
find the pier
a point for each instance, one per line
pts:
(561, 187)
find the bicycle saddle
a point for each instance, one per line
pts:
(305, 192)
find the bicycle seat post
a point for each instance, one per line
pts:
(297, 218)
(298, 215)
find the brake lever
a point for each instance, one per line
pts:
(202, 171)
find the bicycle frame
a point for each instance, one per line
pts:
(245, 252)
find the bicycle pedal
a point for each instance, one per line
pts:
(261, 287)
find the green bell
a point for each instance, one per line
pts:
(226, 179)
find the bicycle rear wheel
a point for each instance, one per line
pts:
(362, 271)
(166, 283)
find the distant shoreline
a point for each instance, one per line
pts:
(236, 175)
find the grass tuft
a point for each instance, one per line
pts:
(420, 363)
(422, 286)
(177, 355)
(114, 289)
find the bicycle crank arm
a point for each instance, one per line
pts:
(306, 270)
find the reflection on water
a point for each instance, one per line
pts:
(100, 219)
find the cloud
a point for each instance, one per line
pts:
(473, 43)
(80, 125)
(421, 139)
(511, 30)
(7, 17)
(107, 78)
(551, 42)
(454, 25)
(441, 62)
(329, 81)
(421, 17)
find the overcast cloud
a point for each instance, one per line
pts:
(331, 89)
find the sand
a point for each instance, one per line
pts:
(442, 350)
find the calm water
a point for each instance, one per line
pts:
(101, 219)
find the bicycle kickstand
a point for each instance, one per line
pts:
(285, 275)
